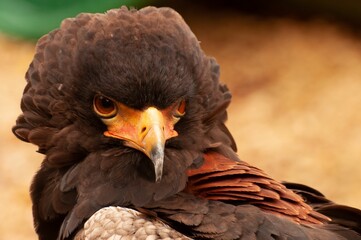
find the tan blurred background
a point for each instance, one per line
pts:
(296, 113)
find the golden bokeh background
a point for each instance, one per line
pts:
(295, 112)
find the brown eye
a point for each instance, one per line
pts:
(181, 110)
(104, 106)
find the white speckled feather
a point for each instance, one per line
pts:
(118, 223)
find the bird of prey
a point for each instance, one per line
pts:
(129, 113)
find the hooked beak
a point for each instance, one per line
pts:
(145, 131)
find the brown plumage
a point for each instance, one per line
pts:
(241, 182)
(129, 112)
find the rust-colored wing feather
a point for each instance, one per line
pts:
(220, 178)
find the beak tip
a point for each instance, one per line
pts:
(158, 171)
(157, 158)
(158, 178)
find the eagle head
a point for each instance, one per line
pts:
(127, 78)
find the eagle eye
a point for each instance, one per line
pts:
(104, 106)
(181, 109)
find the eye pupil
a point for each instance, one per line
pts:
(104, 106)
(106, 103)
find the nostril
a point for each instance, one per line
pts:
(143, 129)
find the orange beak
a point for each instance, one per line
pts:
(145, 131)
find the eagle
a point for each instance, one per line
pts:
(129, 113)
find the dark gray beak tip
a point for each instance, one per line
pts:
(157, 158)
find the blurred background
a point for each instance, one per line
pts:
(294, 68)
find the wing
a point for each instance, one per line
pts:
(185, 216)
(222, 179)
(341, 215)
(200, 218)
